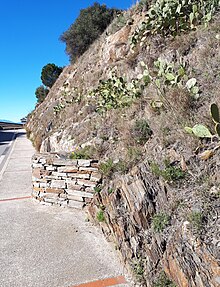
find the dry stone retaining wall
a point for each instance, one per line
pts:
(62, 181)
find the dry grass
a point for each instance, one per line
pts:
(111, 133)
(180, 102)
(37, 143)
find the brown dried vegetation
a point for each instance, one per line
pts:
(112, 134)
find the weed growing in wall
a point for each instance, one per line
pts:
(98, 188)
(82, 153)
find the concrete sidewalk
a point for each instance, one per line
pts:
(43, 245)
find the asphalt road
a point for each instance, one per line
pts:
(6, 140)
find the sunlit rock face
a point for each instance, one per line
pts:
(147, 215)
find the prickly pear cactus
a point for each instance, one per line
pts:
(215, 113)
(199, 131)
(217, 129)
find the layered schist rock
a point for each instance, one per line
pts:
(56, 133)
(191, 261)
(131, 201)
(188, 259)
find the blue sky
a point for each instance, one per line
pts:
(29, 33)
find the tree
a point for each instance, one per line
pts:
(91, 22)
(41, 93)
(49, 74)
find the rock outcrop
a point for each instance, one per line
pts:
(160, 194)
(190, 257)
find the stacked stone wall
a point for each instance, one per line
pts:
(62, 181)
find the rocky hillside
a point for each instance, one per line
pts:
(140, 102)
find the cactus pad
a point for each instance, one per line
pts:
(215, 113)
(217, 129)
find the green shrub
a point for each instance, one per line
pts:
(163, 281)
(138, 268)
(169, 173)
(83, 153)
(41, 93)
(160, 221)
(172, 173)
(121, 166)
(134, 155)
(100, 216)
(196, 219)
(91, 22)
(155, 169)
(119, 22)
(107, 168)
(50, 73)
(141, 131)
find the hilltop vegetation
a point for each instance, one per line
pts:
(139, 100)
(89, 25)
(49, 74)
